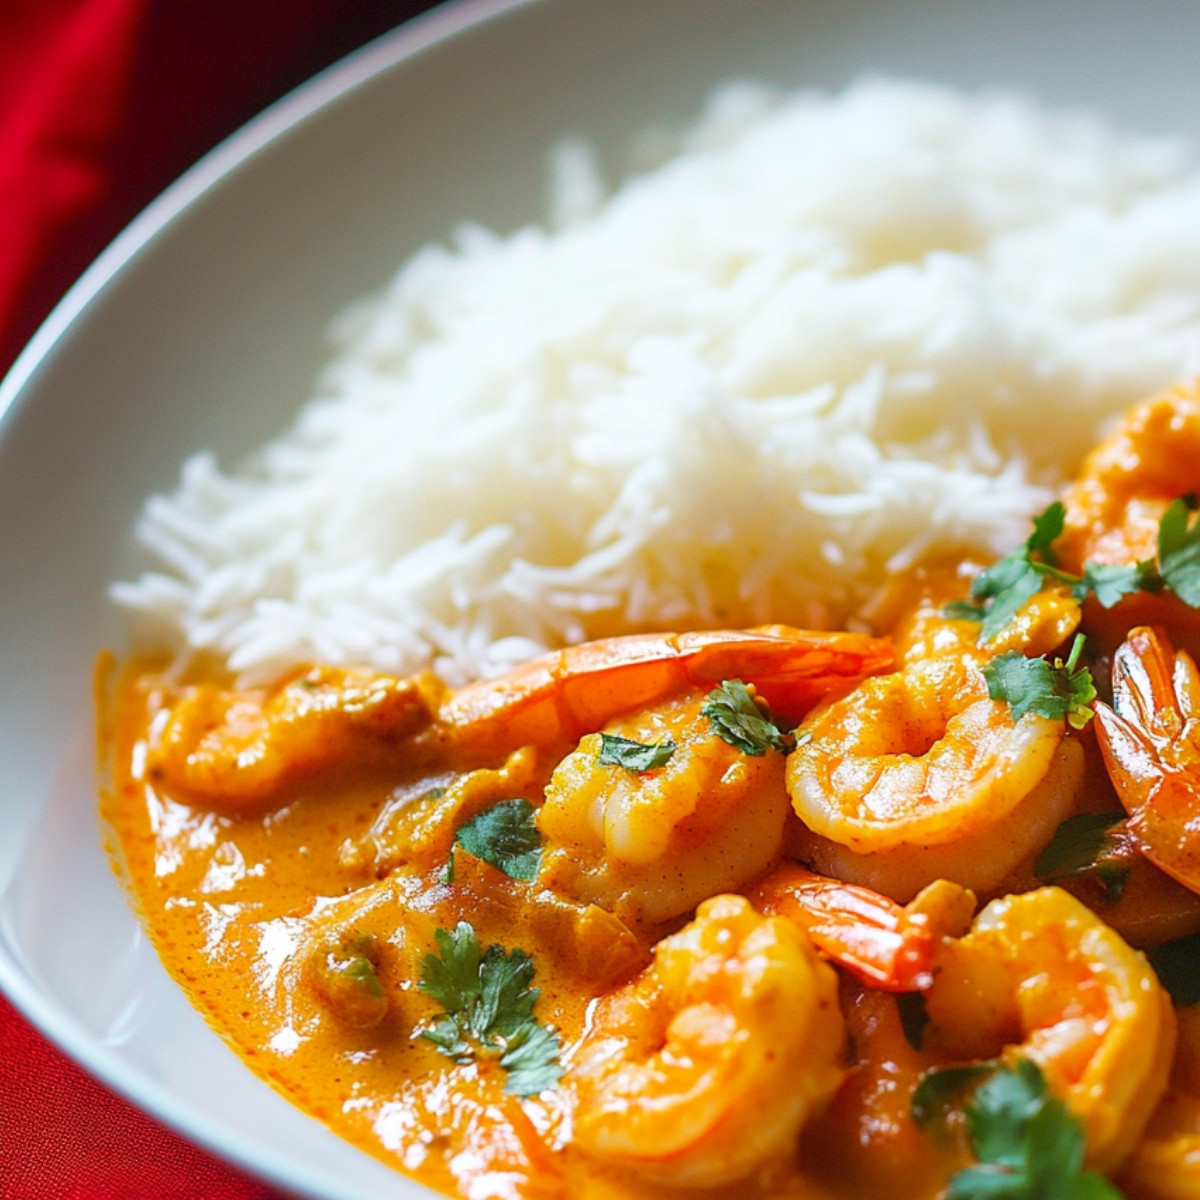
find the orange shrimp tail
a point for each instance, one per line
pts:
(1150, 741)
(872, 937)
(562, 696)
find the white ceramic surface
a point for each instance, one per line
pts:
(202, 327)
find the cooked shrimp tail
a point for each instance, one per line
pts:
(879, 942)
(1150, 739)
(563, 696)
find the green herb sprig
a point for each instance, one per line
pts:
(1051, 689)
(505, 836)
(1086, 847)
(634, 756)
(1176, 566)
(1028, 1144)
(1177, 965)
(738, 719)
(488, 1007)
(999, 592)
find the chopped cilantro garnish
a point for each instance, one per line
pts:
(1036, 685)
(1047, 529)
(531, 1059)
(963, 610)
(737, 719)
(1007, 585)
(504, 836)
(1112, 583)
(1177, 965)
(634, 756)
(1028, 1143)
(489, 1009)
(1179, 550)
(1001, 590)
(943, 1090)
(1083, 848)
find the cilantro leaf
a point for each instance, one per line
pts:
(1091, 1185)
(1008, 603)
(737, 719)
(506, 837)
(1001, 1109)
(531, 1060)
(505, 999)
(1111, 584)
(451, 977)
(1047, 529)
(634, 756)
(488, 1007)
(1002, 575)
(1177, 965)
(1052, 690)
(1083, 847)
(963, 610)
(1006, 585)
(445, 1034)
(987, 1183)
(1001, 589)
(1179, 550)
(1028, 1143)
(941, 1090)
(1055, 1142)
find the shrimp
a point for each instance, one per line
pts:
(919, 775)
(1150, 740)
(1129, 479)
(878, 942)
(704, 1068)
(1040, 976)
(243, 751)
(1114, 508)
(1166, 1163)
(650, 845)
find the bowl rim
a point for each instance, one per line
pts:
(435, 26)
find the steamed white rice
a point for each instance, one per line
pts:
(829, 337)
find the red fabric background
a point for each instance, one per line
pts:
(102, 104)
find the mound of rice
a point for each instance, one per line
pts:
(829, 337)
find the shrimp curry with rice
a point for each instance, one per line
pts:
(760, 912)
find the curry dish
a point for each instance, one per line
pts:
(754, 913)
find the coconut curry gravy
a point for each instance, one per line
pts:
(607, 928)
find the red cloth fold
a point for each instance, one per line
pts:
(64, 74)
(102, 103)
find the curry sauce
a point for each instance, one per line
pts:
(761, 912)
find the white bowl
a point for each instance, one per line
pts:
(202, 327)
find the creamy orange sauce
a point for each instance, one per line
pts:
(293, 854)
(240, 906)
